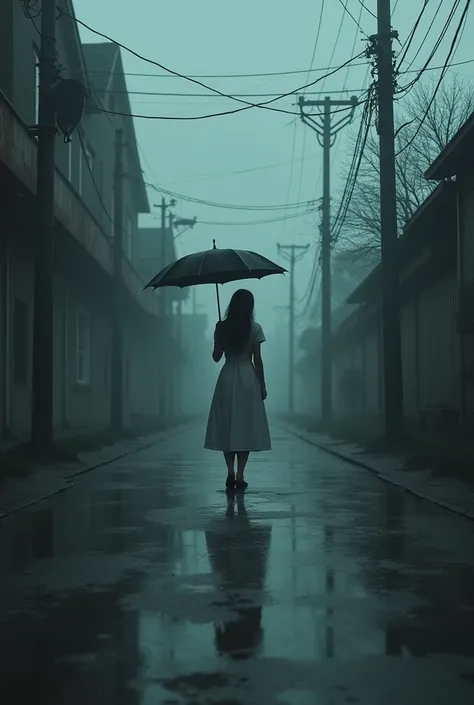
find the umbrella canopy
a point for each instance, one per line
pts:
(215, 267)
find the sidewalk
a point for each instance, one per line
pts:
(45, 482)
(449, 493)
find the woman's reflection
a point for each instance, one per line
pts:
(238, 554)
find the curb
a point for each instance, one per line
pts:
(374, 471)
(68, 480)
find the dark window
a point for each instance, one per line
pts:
(20, 342)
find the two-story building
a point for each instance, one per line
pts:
(84, 229)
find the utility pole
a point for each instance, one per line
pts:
(326, 132)
(187, 223)
(42, 406)
(164, 396)
(381, 49)
(289, 252)
(116, 396)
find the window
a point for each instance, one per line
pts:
(20, 342)
(37, 84)
(127, 245)
(83, 346)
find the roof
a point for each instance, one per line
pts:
(456, 157)
(438, 209)
(100, 59)
(104, 69)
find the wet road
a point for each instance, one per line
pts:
(321, 585)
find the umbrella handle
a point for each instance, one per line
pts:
(218, 302)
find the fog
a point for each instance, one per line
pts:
(256, 157)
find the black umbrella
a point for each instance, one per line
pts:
(214, 267)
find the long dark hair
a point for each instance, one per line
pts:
(234, 331)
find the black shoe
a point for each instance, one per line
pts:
(230, 483)
(241, 484)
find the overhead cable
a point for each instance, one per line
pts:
(246, 104)
(440, 80)
(229, 206)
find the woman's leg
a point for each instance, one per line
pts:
(242, 457)
(229, 461)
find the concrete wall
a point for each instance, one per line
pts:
(429, 354)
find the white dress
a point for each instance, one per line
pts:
(237, 419)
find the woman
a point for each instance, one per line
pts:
(237, 422)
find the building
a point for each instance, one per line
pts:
(455, 163)
(84, 226)
(436, 274)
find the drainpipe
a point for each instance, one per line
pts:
(462, 336)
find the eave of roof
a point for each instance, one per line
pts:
(456, 157)
(104, 61)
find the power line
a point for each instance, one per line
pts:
(346, 9)
(249, 75)
(182, 197)
(255, 222)
(347, 79)
(264, 167)
(353, 173)
(31, 12)
(316, 41)
(235, 95)
(207, 116)
(440, 80)
(197, 81)
(438, 42)
(290, 182)
(364, 7)
(406, 46)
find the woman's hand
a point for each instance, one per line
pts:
(264, 393)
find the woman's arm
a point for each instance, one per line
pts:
(258, 364)
(217, 351)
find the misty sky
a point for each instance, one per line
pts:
(198, 158)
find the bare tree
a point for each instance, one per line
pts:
(416, 148)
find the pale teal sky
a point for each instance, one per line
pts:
(214, 37)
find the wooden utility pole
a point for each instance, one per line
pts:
(116, 396)
(392, 358)
(43, 366)
(326, 132)
(290, 254)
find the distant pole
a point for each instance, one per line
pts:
(392, 357)
(116, 397)
(290, 253)
(43, 365)
(326, 132)
(163, 207)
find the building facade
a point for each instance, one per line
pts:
(84, 228)
(436, 274)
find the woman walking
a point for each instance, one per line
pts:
(237, 423)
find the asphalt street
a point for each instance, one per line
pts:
(147, 584)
